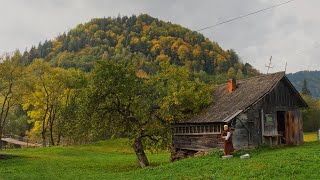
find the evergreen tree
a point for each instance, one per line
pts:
(305, 89)
(239, 74)
(231, 73)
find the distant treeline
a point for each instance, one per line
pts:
(312, 78)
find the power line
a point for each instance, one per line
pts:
(299, 52)
(243, 16)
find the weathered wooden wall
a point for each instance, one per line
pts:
(247, 132)
(197, 142)
(282, 98)
(293, 128)
(241, 133)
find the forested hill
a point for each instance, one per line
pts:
(313, 81)
(143, 40)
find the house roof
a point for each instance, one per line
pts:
(249, 91)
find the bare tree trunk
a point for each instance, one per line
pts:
(5, 118)
(59, 138)
(2, 118)
(0, 141)
(138, 149)
(51, 135)
(51, 119)
(43, 133)
(8, 96)
(59, 134)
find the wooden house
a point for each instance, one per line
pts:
(261, 110)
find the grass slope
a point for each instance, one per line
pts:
(103, 160)
(113, 159)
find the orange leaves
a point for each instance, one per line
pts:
(146, 29)
(141, 74)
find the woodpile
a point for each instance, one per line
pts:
(201, 153)
(178, 154)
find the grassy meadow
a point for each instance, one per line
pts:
(114, 159)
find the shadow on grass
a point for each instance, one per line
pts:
(8, 156)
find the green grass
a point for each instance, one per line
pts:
(114, 159)
(310, 136)
(98, 161)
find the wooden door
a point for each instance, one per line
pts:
(293, 127)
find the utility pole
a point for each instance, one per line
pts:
(270, 65)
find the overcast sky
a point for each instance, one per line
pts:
(290, 33)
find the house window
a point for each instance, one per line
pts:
(270, 125)
(269, 119)
(197, 129)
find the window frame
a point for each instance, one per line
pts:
(197, 129)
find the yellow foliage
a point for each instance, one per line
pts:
(56, 45)
(134, 40)
(164, 60)
(93, 27)
(183, 52)
(220, 60)
(35, 131)
(155, 48)
(144, 39)
(146, 29)
(196, 52)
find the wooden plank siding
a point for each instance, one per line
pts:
(197, 142)
(281, 98)
(197, 136)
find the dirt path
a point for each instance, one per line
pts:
(21, 143)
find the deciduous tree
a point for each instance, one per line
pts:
(11, 81)
(143, 108)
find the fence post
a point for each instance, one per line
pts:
(319, 135)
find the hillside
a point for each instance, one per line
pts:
(313, 78)
(144, 41)
(113, 159)
(115, 77)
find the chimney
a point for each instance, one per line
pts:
(232, 85)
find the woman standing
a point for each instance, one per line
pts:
(227, 136)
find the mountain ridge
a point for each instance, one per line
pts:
(313, 80)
